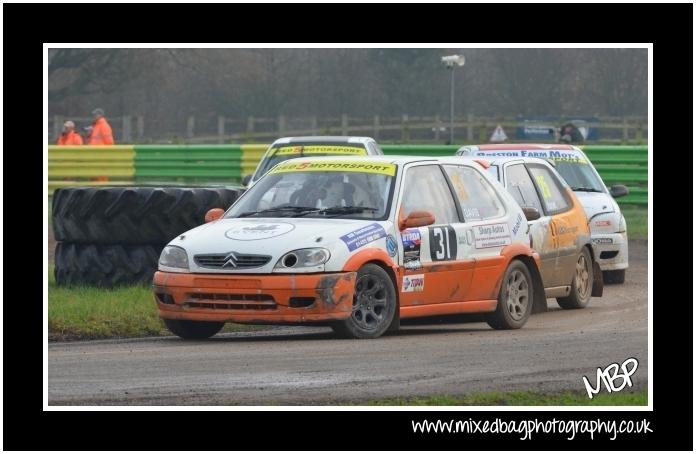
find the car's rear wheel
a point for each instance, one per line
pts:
(515, 299)
(581, 287)
(190, 329)
(614, 276)
(374, 305)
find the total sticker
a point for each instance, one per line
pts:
(413, 283)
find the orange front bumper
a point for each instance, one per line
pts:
(248, 298)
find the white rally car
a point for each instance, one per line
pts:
(358, 244)
(607, 224)
(296, 147)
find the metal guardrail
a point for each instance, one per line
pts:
(141, 164)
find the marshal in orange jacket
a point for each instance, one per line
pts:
(69, 138)
(101, 133)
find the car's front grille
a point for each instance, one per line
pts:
(231, 261)
(231, 301)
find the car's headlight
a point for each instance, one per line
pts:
(173, 258)
(606, 223)
(311, 259)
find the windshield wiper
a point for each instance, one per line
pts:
(338, 210)
(270, 210)
(586, 189)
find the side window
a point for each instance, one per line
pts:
(552, 192)
(520, 186)
(425, 188)
(476, 196)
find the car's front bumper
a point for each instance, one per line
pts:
(611, 250)
(246, 298)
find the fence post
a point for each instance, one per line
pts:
(313, 125)
(190, 127)
(344, 124)
(639, 133)
(57, 127)
(482, 133)
(404, 128)
(375, 128)
(221, 129)
(126, 133)
(140, 126)
(437, 128)
(624, 137)
(470, 127)
(281, 124)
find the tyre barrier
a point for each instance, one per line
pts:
(112, 236)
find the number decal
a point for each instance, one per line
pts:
(443, 243)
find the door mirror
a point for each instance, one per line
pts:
(246, 180)
(531, 213)
(214, 214)
(417, 219)
(618, 190)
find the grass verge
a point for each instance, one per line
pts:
(91, 313)
(522, 398)
(636, 222)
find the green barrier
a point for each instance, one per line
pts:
(124, 164)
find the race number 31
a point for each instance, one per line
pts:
(443, 243)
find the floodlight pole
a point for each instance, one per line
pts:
(451, 67)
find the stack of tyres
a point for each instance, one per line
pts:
(112, 236)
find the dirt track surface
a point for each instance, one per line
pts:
(307, 366)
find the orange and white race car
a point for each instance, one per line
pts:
(559, 228)
(357, 243)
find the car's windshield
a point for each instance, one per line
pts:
(283, 152)
(325, 188)
(579, 176)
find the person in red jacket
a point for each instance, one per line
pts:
(100, 133)
(69, 136)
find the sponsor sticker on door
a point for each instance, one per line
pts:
(413, 283)
(491, 235)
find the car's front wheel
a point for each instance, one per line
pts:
(374, 305)
(190, 329)
(515, 299)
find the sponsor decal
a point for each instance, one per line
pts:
(471, 214)
(606, 223)
(320, 149)
(413, 283)
(411, 240)
(602, 241)
(443, 243)
(543, 186)
(413, 265)
(556, 155)
(335, 166)
(361, 237)
(391, 246)
(250, 232)
(562, 230)
(491, 235)
(517, 224)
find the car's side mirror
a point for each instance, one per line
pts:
(618, 190)
(531, 213)
(214, 214)
(417, 219)
(246, 180)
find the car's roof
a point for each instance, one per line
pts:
(522, 146)
(323, 139)
(399, 160)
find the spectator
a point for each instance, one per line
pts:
(69, 136)
(100, 133)
(570, 134)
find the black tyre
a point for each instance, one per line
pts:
(105, 265)
(515, 299)
(133, 215)
(614, 276)
(189, 329)
(374, 305)
(581, 286)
